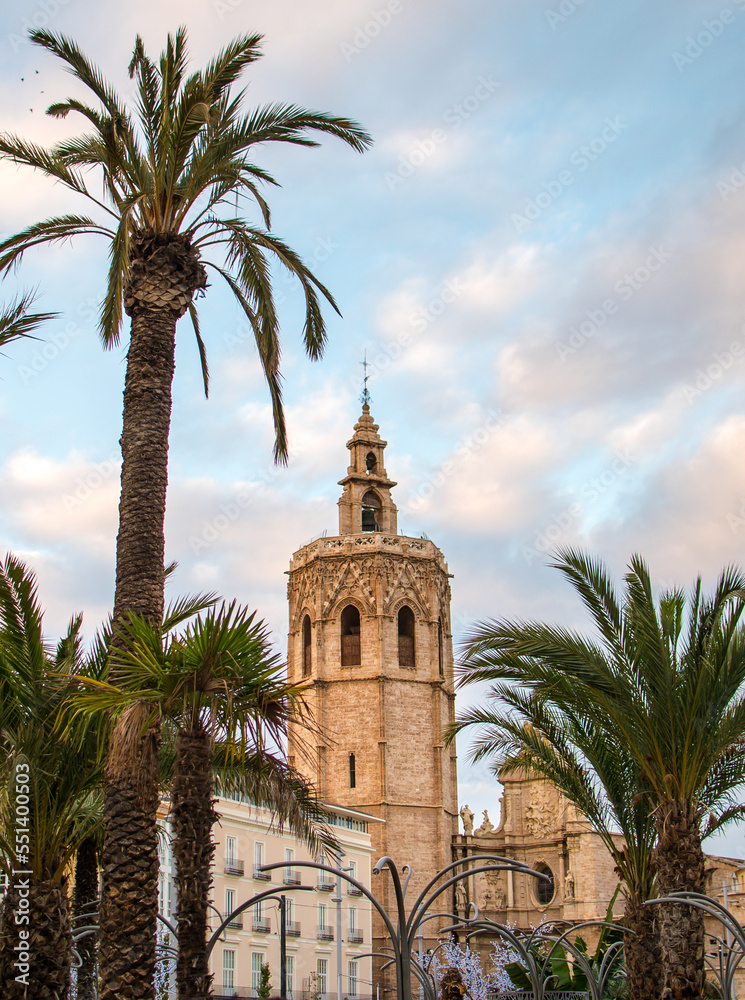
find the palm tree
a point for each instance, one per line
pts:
(562, 742)
(665, 679)
(220, 690)
(169, 169)
(51, 775)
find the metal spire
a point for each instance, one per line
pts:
(365, 397)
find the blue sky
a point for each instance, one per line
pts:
(542, 256)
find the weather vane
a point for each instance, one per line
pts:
(365, 396)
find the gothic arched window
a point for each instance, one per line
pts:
(350, 637)
(371, 511)
(307, 661)
(406, 637)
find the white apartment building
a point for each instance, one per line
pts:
(318, 957)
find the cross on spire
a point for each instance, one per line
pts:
(365, 397)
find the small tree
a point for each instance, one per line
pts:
(264, 982)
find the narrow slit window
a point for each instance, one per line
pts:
(440, 649)
(307, 661)
(406, 637)
(352, 771)
(350, 637)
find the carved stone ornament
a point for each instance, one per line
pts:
(492, 895)
(540, 816)
(486, 827)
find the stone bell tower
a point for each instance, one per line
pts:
(370, 642)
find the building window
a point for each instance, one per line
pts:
(288, 911)
(230, 851)
(352, 915)
(406, 637)
(322, 974)
(257, 960)
(228, 969)
(289, 973)
(352, 978)
(322, 925)
(291, 876)
(259, 861)
(440, 648)
(544, 891)
(307, 661)
(371, 462)
(350, 637)
(352, 771)
(371, 511)
(229, 902)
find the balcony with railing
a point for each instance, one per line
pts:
(325, 933)
(292, 928)
(355, 937)
(236, 924)
(291, 876)
(262, 876)
(234, 866)
(260, 925)
(352, 890)
(325, 885)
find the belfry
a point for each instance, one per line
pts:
(370, 642)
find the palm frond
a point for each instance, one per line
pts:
(202, 350)
(55, 230)
(81, 67)
(16, 321)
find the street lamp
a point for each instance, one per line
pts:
(337, 899)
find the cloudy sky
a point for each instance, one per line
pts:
(542, 256)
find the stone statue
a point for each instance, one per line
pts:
(486, 827)
(569, 886)
(461, 899)
(467, 816)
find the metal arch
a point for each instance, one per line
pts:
(403, 935)
(259, 897)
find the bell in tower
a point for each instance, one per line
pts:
(370, 645)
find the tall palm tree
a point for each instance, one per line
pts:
(518, 731)
(221, 690)
(664, 678)
(171, 169)
(51, 775)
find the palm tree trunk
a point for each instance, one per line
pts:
(43, 972)
(193, 817)
(129, 903)
(680, 866)
(85, 907)
(164, 273)
(642, 951)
